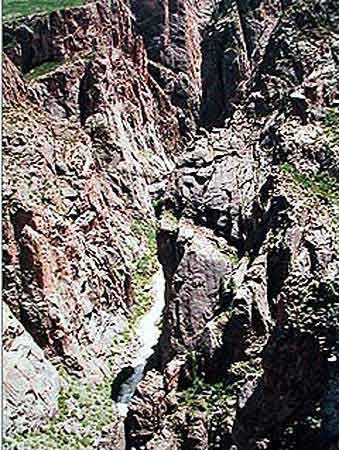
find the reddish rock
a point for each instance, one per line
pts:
(247, 236)
(58, 36)
(14, 88)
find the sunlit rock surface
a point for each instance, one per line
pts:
(203, 135)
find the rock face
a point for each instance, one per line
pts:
(205, 132)
(57, 91)
(29, 378)
(78, 222)
(249, 246)
(233, 46)
(58, 36)
(14, 88)
(172, 39)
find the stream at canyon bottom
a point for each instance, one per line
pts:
(147, 333)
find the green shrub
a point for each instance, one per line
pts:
(41, 70)
(144, 268)
(332, 125)
(320, 185)
(91, 408)
(206, 396)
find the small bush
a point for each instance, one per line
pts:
(321, 184)
(84, 410)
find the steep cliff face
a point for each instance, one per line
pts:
(249, 245)
(79, 228)
(204, 133)
(172, 37)
(59, 35)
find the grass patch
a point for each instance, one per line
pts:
(321, 184)
(144, 268)
(332, 124)
(19, 8)
(43, 69)
(218, 397)
(209, 397)
(206, 396)
(332, 117)
(158, 205)
(84, 410)
(49, 66)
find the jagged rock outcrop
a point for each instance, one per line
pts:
(268, 194)
(59, 35)
(54, 49)
(232, 47)
(58, 90)
(99, 147)
(195, 285)
(78, 223)
(29, 378)
(14, 88)
(171, 30)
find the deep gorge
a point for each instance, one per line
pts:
(170, 222)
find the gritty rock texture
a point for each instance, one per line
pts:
(78, 228)
(14, 88)
(204, 133)
(171, 31)
(234, 43)
(57, 36)
(57, 91)
(259, 362)
(29, 378)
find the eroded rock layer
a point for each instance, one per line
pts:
(249, 243)
(203, 135)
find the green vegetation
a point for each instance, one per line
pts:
(84, 409)
(206, 396)
(332, 117)
(170, 221)
(158, 205)
(321, 184)
(219, 396)
(43, 69)
(332, 124)
(19, 8)
(9, 41)
(209, 397)
(49, 66)
(233, 258)
(145, 231)
(144, 269)
(241, 370)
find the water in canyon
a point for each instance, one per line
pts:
(147, 333)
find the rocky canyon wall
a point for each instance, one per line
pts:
(79, 229)
(248, 241)
(201, 135)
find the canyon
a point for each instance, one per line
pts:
(170, 226)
